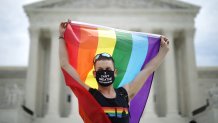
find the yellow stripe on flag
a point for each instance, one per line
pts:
(106, 43)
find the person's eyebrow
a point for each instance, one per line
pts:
(99, 68)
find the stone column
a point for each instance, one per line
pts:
(31, 81)
(74, 105)
(75, 109)
(150, 109)
(170, 78)
(54, 77)
(192, 88)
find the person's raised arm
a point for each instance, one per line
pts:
(63, 57)
(148, 69)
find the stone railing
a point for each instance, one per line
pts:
(10, 96)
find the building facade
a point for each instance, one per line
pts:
(180, 92)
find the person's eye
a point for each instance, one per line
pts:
(108, 68)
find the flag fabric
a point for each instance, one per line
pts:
(131, 51)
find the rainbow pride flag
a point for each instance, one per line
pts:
(131, 52)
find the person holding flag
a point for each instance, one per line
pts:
(114, 102)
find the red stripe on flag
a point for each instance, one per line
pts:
(90, 110)
(72, 37)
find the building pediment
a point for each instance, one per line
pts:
(104, 4)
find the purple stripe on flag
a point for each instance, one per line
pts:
(138, 103)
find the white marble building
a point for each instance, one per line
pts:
(181, 91)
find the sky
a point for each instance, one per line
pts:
(14, 42)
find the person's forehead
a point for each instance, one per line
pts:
(104, 62)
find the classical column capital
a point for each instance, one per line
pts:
(189, 35)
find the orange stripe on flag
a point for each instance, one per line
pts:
(87, 49)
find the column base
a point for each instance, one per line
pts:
(57, 120)
(76, 117)
(149, 114)
(148, 119)
(173, 115)
(51, 115)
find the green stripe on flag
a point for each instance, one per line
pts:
(121, 54)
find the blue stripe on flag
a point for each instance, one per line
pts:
(137, 58)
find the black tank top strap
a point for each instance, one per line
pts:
(122, 92)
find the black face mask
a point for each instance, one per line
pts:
(105, 77)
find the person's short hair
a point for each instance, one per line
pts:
(103, 56)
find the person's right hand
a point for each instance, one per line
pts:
(62, 29)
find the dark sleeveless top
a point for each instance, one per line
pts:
(117, 109)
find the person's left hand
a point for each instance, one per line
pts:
(164, 45)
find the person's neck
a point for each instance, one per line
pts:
(108, 92)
